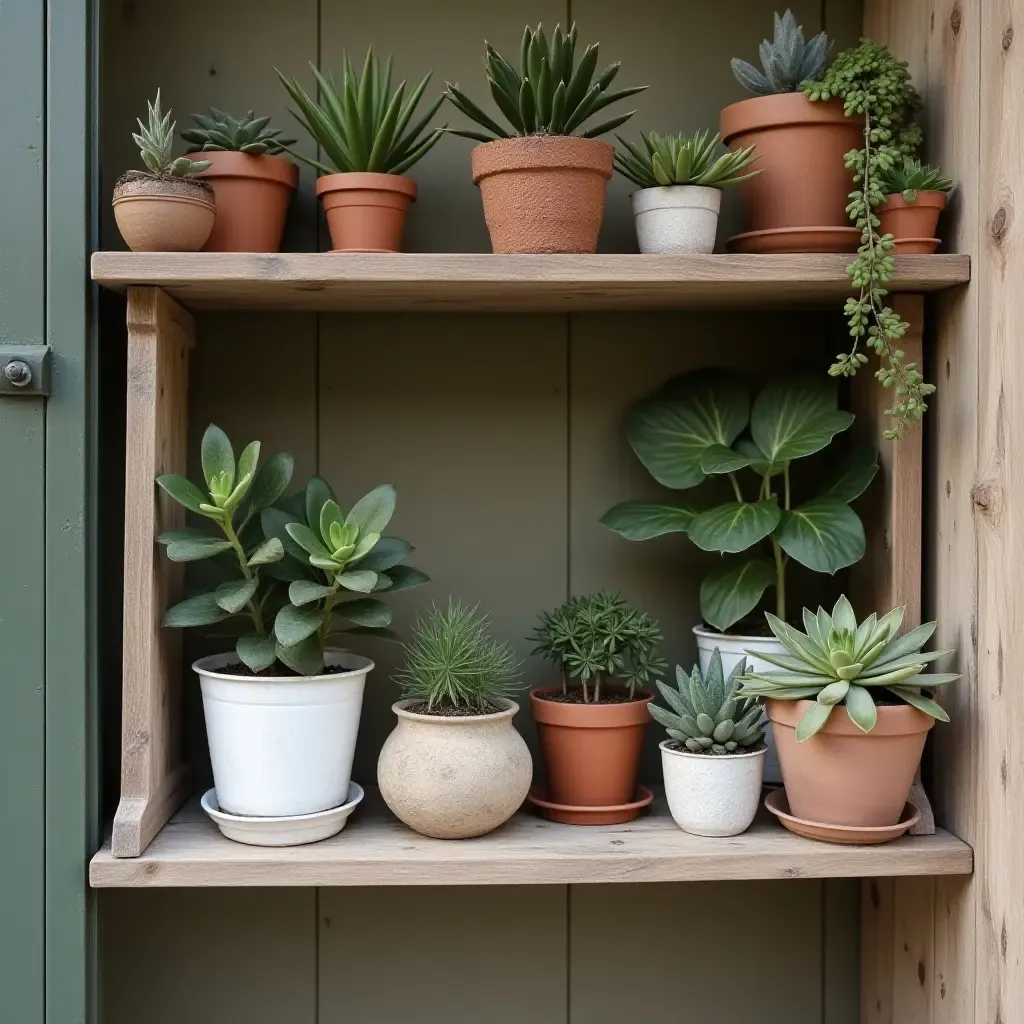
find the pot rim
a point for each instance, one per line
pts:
(742, 637)
(893, 719)
(265, 167)
(399, 708)
(165, 197)
(664, 748)
(779, 110)
(530, 153)
(933, 198)
(375, 181)
(595, 716)
(365, 665)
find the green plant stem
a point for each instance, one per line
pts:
(329, 602)
(780, 580)
(597, 688)
(785, 477)
(243, 563)
(736, 487)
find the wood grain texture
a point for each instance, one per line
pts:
(153, 778)
(440, 281)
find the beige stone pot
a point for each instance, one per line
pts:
(164, 214)
(453, 778)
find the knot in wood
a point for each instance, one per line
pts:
(956, 18)
(1000, 225)
(987, 498)
(1007, 37)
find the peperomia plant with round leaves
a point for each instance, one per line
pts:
(294, 562)
(704, 425)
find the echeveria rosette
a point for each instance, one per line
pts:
(840, 661)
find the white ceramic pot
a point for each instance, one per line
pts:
(734, 647)
(677, 218)
(450, 777)
(282, 746)
(712, 794)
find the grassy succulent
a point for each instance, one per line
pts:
(683, 160)
(842, 661)
(551, 93)
(908, 176)
(155, 140)
(454, 663)
(361, 125)
(218, 131)
(708, 715)
(786, 62)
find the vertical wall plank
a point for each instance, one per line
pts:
(913, 950)
(841, 950)
(877, 909)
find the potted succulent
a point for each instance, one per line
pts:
(454, 766)
(282, 708)
(798, 203)
(591, 724)
(366, 133)
(713, 760)
(252, 181)
(680, 183)
(542, 184)
(164, 208)
(915, 195)
(852, 767)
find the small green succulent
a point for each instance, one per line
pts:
(908, 176)
(708, 715)
(683, 160)
(155, 140)
(787, 60)
(218, 131)
(840, 661)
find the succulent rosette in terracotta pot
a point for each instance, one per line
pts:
(915, 195)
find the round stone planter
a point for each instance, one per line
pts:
(677, 218)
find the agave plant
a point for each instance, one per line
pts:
(840, 661)
(361, 125)
(683, 160)
(787, 60)
(155, 140)
(551, 94)
(908, 176)
(708, 715)
(218, 131)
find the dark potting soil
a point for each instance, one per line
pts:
(575, 696)
(684, 749)
(752, 625)
(450, 711)
(276, 671)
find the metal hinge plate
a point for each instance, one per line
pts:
(24, 370)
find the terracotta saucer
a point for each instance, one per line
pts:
(568, 814)
(849, 835)
(805, 239)
(921, 246)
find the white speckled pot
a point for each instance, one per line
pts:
(453, 778)
(712, 794)
(677, 218)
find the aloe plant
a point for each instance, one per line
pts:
(155, 140)
(361, 125)
(551, 93)
(683, 160)
(218, 131)
(907, 177)
(786, 62)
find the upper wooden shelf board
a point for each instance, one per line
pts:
(375, 849)
(484, 282)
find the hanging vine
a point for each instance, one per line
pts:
(876, 87)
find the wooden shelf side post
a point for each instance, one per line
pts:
(154, 781)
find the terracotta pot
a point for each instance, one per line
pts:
(157, 215)
(591, 751)
(842, 776)
(543, 193)
(912, 225)
(366, 212)
(804, 183)
(253, 193)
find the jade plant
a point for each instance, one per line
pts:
(220, 132)
(839, 660)
(361, 125)
(876, 90)
(600, 640)
(708, 715)
(294, 564)
(786, 62)
(453, 665)
(683, 160)
(908, 176)
(551, 92)
(155, 140)
(703, 425)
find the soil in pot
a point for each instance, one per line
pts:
(161, 213)
(912, 225)
(366, 212)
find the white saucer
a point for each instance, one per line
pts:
(285, 831)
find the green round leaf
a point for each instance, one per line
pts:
(269, 551)
(271, 481)
(850, 476)
(235, 595)
(861, 708)
(642, 520)
(217, 455)
(825, 535)
(373, 511)
(201, 610)
(256, 652)
(792, 419)
(318, 491)
(405, 577)
(733, 589)
(734, 526)
(293, 625)
(719, 458)
(183, 491)
(305, 657)
(365, 611)
(303, 592)
(387, 552)
(360, 580)
(189, 545)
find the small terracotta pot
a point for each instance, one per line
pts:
(912, 225)
(366, 212)
(591, 751)
(543, 193)
(253, 193)
(154, 218)
(842, 776)
(804, 183)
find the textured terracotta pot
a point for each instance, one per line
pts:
(253, 193)
(454, 777)
(543, 193)
(154, 215)
(912, 225)
(591, 751)
(804, 183)
(843, 776)
(366, 212)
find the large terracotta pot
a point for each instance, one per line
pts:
(162, 214)
(591, 751)
(842, 776)
(912, 225)
(253, 193)
(366, 211)
(543, 193)
(798, 201)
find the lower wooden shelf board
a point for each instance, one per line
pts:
(376, 849)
